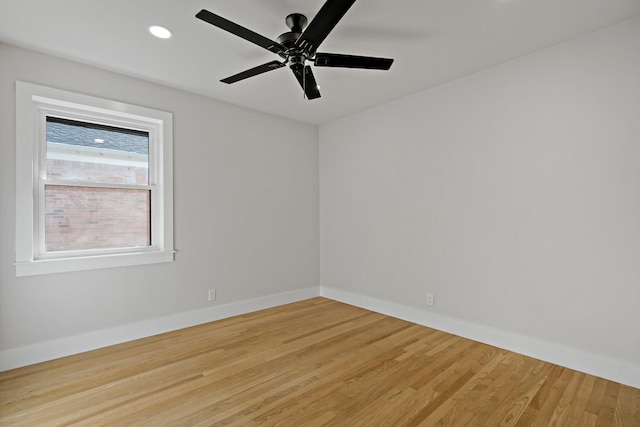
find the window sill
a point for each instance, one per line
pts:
(63, 265)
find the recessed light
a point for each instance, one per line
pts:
(160, 32)
(98, 140)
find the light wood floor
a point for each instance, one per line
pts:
(312, 363)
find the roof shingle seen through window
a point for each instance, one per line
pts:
(72, 132)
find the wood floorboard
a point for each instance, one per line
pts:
(313, 363)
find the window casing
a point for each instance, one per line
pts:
(42, 182)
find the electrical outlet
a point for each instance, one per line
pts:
(212, 294)
(430, 299)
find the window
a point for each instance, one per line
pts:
(94, 182)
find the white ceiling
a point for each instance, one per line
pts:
(432, 41)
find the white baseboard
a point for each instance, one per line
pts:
(594, 364)
(49, 350)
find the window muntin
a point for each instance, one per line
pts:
(102, 171)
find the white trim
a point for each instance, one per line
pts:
(81, 263)
(579, 360)
(91, 184)
(33, 102)
(601, 366)
(49, 350)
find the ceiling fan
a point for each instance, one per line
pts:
(299, 45)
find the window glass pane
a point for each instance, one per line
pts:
(80, 151)
(79, 218)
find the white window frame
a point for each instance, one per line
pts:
(33, 104)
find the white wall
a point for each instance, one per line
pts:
(512, 194)
(246, 218)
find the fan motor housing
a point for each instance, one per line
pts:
(288, 39)
(296, 23)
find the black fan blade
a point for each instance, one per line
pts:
(306, 80)
(273, 65)
(322, 24)
(240, 31)
(352, 61)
